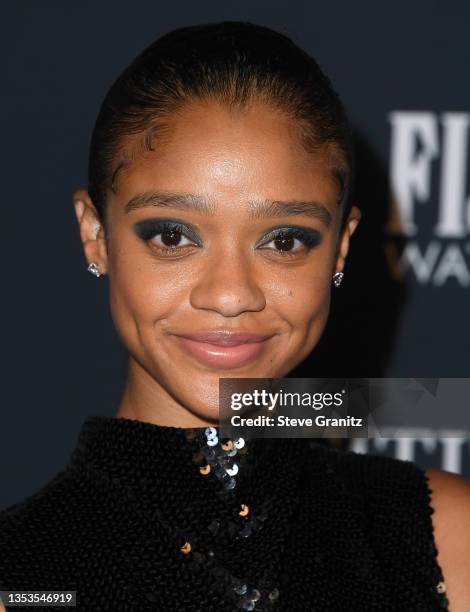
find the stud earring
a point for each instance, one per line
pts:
(94, 269)
(337, 278)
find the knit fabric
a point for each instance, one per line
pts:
(342, 531)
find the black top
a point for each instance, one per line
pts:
(146, 517)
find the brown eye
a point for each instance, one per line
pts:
(284, 243)
(170, 238)
(291, 240)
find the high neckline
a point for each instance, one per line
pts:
(127, 447)
(154, 465)
(152, 454)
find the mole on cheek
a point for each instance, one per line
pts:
(291, 294)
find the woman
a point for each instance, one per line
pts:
(219, 205)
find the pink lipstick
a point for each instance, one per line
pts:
(224, 349)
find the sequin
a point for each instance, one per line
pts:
(209, 453)
(254, 595)
(186, 548)
(218, 454)
(244, 511)
(233, 471)
(221, 473)
(273, 595)
(230, 484)
(240, 589)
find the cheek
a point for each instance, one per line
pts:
(302, 297)
(142, 291)
(308, 317)
(302, 302)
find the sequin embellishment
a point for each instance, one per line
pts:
(223, 459)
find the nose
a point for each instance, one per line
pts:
(227, 285)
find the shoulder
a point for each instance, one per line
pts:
(388, 501)
(450, 501)
(29, 528)
(20, 526)
(49, 532)
(391, 493)
(368, 476)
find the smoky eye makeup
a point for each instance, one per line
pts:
(293, 240)
(284, 235)
(146, 229)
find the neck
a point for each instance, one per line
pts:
(144, 399)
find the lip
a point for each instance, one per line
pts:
(224, 349)
(226, 338)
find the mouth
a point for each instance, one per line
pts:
(224, 349)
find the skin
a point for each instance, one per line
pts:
(229, 281)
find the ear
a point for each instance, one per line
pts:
(92, 233)
(349, 228)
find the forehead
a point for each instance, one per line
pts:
(205, 144)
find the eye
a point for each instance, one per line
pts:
(291, 240)
(167, 236)
(170, 239)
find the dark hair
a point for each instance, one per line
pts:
(231, 61)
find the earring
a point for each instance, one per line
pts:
(94, 269)
(337, 278)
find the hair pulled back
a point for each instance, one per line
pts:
(233, 62)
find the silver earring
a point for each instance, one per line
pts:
(94, 269)
(337, 278)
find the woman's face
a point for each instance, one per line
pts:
(222, 244)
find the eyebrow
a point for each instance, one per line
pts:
(258, 209)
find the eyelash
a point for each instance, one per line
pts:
(310, 238)
(147, 230)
